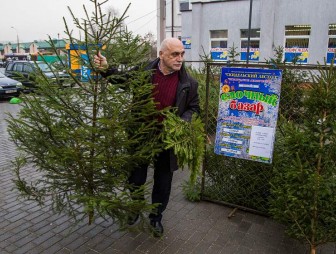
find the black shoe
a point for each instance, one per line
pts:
(157, 228)
(132, 219)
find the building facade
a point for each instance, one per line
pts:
(30, 49)
(305, 29)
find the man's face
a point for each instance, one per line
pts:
(171, 57)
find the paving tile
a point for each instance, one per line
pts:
(4, 244)
(174, 247)
(11, 248)
(158, 247)
(196, 237)
(26, 248)
(4, 225)
(102, 246)
(186, 247)
(127, 244)
(114, 251)
(214, 248)
(230, 249)
(146, 245)
(244, 226)
(223, 238)
(39, 239)
(184, 235)
(211, 236)
(76, 243)
(169, 236)
(202, 247)
(27, 239)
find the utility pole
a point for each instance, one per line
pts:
(172, 18)
(58, 46)
(249, 34)
(161, 23)
(18, 41)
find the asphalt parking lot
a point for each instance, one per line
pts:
(200, 227)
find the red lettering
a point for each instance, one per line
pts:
(246, 106)
(256, 108)
(233, 104)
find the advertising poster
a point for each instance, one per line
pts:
(331, 55)
(247, 113)
(219, 54)
(85, 71)
(253, 54)
(78, 59)
(186, 41)
(301, 54)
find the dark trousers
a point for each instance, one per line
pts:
(163, 177)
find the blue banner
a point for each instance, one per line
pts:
(331, 55)
(300, 54)
(85, 71)
(253, 54)
(186, 41)
(247, 113)
(219, 54)
(79, 60)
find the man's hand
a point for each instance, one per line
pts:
(100, 62)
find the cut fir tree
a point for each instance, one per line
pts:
(304, 172)
(85, 140)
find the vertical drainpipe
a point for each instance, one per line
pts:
(249, 34)
(172, 12)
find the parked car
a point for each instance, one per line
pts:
(9, 87)
(26, 71)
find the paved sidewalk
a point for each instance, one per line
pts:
(201, 227)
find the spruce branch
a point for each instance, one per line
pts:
(187, 141)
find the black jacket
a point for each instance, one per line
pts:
(187, 99)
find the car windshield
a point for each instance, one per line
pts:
(44, 67)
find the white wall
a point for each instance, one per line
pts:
(271, 16)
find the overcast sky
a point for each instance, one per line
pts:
(36, 19)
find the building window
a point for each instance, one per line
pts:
(185, 5)
(254, 44)
(27, 68)
(18, 67)
(218, 45)
(297, 43)
(331, 53)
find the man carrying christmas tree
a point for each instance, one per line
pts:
(173, 87)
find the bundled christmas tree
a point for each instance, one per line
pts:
(304, 176)
(84, 140)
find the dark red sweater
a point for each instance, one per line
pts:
(165, 86)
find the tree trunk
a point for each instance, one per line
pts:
(312, 249)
